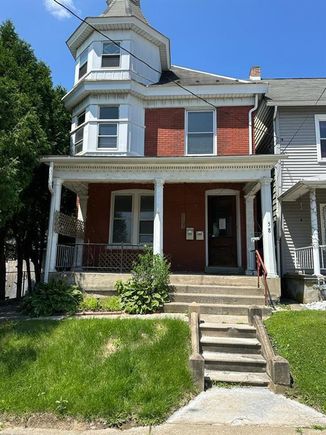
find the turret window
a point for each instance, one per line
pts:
(108, 127)
(111, 55)
(83, 60)
(79, 134)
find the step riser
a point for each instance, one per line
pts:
(228, 333)
(223, 311)
(210, 347)
(214, 280)
(202, 299)
(235, 366)
(101, 292)
(233, 291)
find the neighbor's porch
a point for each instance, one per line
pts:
(202, 217)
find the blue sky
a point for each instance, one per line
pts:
(286, 37)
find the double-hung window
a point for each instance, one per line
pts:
(200, 132)
(132, 220)
(83, 60)
(111, 55)
(320, 121)
(108, 127)
(79, 133)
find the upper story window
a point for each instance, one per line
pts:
(83, 59)
(111, 55)
(200, 131)
(108, 127)
(132, 217)
(79, 133)
(320, 121)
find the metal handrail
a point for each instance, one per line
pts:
(262, 268)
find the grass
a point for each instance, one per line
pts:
(118, 370)
(300, 337)
(91, 303)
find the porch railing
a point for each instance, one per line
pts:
(304, 258)
(262, 276)
(97, 257)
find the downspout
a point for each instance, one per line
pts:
(49, 241)
(278, 181)
(251, 111)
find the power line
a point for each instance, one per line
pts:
(146, 63)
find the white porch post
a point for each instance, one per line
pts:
(52, 244)
(158, 217)
(268, 232)
(314, 232)
(82, 213)
(250, 230)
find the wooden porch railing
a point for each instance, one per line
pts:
(262, 276)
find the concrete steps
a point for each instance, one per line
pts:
(223, 361)
(217, 299)
(244, 378)
(216, 309)
(227, 330)
(217, 290)
(230, 345)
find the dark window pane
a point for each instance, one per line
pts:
(323, 148)
(108, 129)
(322, 125)
(121, 231)
(110, 61)
(200, 143)
(109, 112)
(200, 122)
(79, 135)
(82, 70)
(110, 48)
(79, 148)
(123, 203)
(147, 207)
(145, 238)
(146, 227)
(107, 142)
(81, 119)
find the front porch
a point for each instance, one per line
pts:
(203, 216)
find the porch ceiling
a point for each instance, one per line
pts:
(302, 187)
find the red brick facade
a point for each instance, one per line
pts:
(165, 131)
(186, 200)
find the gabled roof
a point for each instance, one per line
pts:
(292, 92)
(186, 77)
(124, 8)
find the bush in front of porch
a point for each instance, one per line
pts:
(148, 289)
(113, 371)
(299, 336)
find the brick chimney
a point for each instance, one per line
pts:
(255, 73)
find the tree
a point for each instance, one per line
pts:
(33, 122)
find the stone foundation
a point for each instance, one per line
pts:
(300, 288)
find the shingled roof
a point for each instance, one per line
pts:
(188, 77)
(289, 92)
(124, 8)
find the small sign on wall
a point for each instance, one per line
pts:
(190, 234)
(199, 235)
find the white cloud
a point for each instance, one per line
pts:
(57, 10)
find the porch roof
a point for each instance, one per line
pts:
(302, 187)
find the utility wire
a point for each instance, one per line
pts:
(148, 65)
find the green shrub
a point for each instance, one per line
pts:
(56, 297)
(148, 289)
(91, 303)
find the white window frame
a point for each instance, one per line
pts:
(80, 65)
(79, 127)
(135, 211)
(107, 121)
(319, 118)
(102, 54)
(214, 131)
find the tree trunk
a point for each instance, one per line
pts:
(29, 276)
(20, 259)
(2, 266)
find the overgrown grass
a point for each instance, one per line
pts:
(300, 337)
(92, 303)
(118, 370)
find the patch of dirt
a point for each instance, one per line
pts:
(111, 347)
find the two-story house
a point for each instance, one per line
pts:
(161, 155)
(294, 110)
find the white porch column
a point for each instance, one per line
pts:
(268, 232)
(82, 214)
(158, 217)
(314, 232)
(250, 230)
(51, 249)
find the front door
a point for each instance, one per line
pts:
(222, 231)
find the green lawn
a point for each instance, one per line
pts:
(117, 370)
(300, 337)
